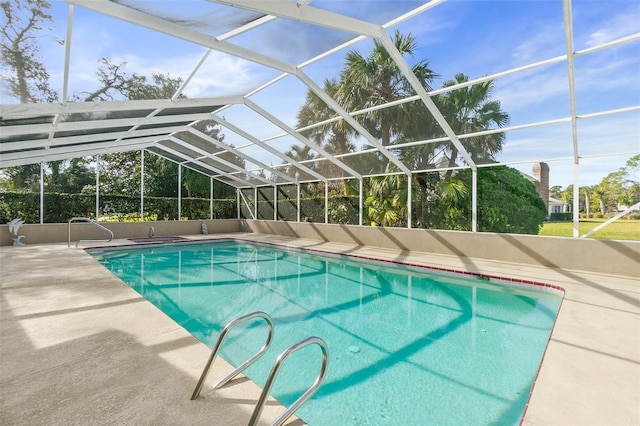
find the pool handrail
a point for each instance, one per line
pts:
(216, 348)
(274, 371)
(86, 219)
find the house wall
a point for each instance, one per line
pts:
(593, 255)
(556, 208)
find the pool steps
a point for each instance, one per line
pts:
(216, 348)
(86, 219)
(312, 340)
(274, 370)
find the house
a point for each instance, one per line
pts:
(558, 206)
(540, 179)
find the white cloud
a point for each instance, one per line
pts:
(547, 37)
(223, 75)
(220, 74)
(620, 25)
(521, 93)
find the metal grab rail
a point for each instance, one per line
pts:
(216, 348)
(305, 396)
(85, 219)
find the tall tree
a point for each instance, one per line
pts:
(612, 191)
(162, 86)
(24, 75)
(630, 176)
(600, 193)
(376, 80)
(468, 110)
(585, 191)
(299, 153)
(555, 191)
(334, 137)
(368, 81)
(314, 111)
(71, 177)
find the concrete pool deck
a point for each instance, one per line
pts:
(78, 346)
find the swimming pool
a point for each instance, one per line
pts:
(406, 345)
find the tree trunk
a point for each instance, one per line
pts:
(452, 163)
(23, 88)
(587, 204)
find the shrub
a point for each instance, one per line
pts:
(561, 217)
(507, 202)
(59, 207)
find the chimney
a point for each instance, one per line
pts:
(541, 173)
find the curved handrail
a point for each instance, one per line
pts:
(85, 219)
(305, 396)
(216, 348)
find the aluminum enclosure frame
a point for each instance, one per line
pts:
(36, 133)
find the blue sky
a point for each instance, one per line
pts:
(474, 37)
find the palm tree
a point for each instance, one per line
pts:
(469, 110)
(600, 193)
(586, 192)
(387, 200)
(314, 111)
(299, 153)
(377, 80)
(334, 137)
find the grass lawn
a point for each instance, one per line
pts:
(623, 229)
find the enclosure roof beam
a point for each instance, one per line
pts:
(264, 113)
(22, 158)
(136, 17)
(116, 137)
(352, 121)
(240, 154)
(267, 148)
(201, 164)
(214, 157)
(568, 30)
(8, 131)
(17, 111)
(308, 14)
(67, 54)
(164, 156)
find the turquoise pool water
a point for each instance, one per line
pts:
(407, 346)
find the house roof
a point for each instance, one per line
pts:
(243, 29)
(556, 201)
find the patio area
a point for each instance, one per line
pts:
(78, 346)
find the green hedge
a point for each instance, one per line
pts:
(59, 208)
(561, 217)
(342, 210)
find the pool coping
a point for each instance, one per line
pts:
(598, 322)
